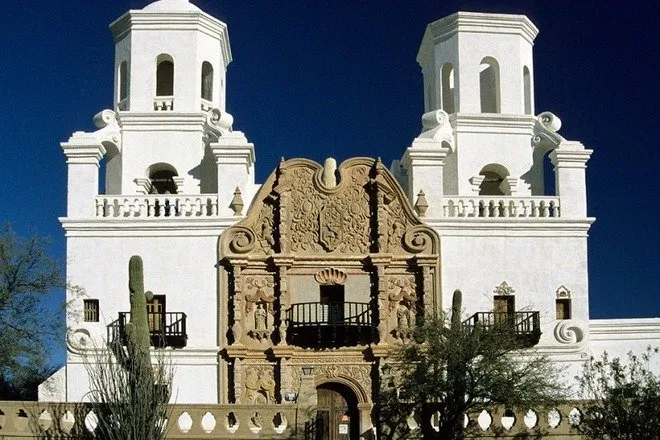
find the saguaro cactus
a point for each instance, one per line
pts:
(137, 330)
(456, 306)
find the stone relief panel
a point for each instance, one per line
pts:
(255, 383)
(353, 368)
(322, 221)
(259, 313)
(402, 305)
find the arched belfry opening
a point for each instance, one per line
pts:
(489, 85)
(161, 177)
(447, 86)
(207, 81)
(494, 181)
(165, 75)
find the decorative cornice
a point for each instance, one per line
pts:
(503, 227)
(150, 227)
(474, 22)
(161, 121)
(493, 123)
(173, 21)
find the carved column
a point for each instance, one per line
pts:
(282, 268)
(237, 306)
(380, 264)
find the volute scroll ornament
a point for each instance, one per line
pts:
(241, 240)
(420, 239)
(217, 123)
(545, 131)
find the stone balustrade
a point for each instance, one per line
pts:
(164, 103)
(501, 206)
(32, 420)
(157, 206)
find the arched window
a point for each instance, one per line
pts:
(165, 76)
(494, 183)
(489, 85)
(527, 90)
(124, 81)
(162, 176)
(447, 85)
(207, 81)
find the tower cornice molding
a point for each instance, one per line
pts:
(139, 20)
(475, 22)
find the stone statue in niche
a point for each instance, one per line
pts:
(260, 317)
(404, 317)
(259, 299)
(402, 299)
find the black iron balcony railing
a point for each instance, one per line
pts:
(525, 326)
(165, 329)
(331, 324)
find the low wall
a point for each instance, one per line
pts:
(36, 420)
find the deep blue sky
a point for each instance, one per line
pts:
(313, 79)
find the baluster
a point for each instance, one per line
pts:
(214, 206)
(535, 209)
(544, 209)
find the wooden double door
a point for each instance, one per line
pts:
(337, 416)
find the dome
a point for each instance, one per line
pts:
(171, 6)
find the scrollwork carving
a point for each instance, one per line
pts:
(545, 131)
(242, 240)
(569, 332)
(418, 239)
(78, 340)
(217, 123)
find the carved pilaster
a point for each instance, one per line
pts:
(427, 286)
(283, 304)
(237, 300)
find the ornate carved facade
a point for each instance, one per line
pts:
(322, 253)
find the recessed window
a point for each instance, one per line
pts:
(489, 85)
(207, 81)
(124, 84)
(563, 307)
(91, 310)
(447, 85)
(165, 77)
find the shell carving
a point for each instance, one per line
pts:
(330, 275)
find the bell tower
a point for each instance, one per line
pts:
(479, 63)
(170, 57)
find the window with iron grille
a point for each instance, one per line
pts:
(91, 310)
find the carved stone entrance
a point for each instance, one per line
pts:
(337, 416)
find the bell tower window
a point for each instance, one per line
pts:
(124, 85)
(165, 76)
(207, 81)
(489, 85)
(494, 181)
(527, 90)
(447, 84)
(161, 177)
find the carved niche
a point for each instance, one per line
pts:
(259, 310)
(402, 305)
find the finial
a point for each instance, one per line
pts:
(421, 205)
(236, 204)
(329, 177)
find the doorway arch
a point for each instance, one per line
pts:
(337, 412)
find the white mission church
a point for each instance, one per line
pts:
(309, 278)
